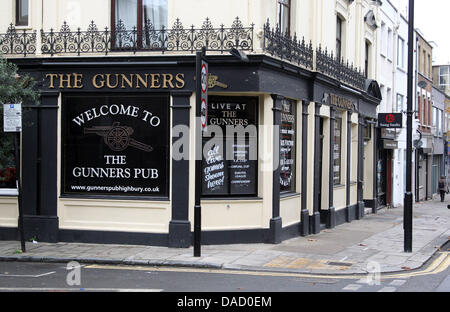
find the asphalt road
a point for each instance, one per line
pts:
(54, 277)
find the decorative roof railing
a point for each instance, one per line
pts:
(287, 48)
(339, 69)
(177, 39)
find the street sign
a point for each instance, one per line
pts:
(204, 95)
(390, 120)
(12, 117)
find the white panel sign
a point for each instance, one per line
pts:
(12, 117)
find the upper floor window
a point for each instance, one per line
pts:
(367, 59)
(338, 37)
(444, 76)
(284, 15)
(135, 13)
(401, 53)
(22, 12)
(144, 16)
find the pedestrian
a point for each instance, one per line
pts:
(443, 187)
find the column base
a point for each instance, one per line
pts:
(304, 224)
(350, 213)
(314, 223)
(360, 210)
(331, 218)
(41, 228)
(275, 230)
(179, 234)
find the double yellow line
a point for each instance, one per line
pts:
(441, 263)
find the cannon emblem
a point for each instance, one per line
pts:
(118, 137)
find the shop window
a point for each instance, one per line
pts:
(284, 16)
(147, 17)
(7, 160)
(230, 147)
(337, 151)
(22, 12)
(288, 136)
(367, 133)
(116, 145)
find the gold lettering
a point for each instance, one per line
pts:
(167, 78)
(52, 80)
(63, 80)
(108, 81)
(180, 78)
(155, 81)
(141, 80)
(78, 81)
(102, 81)
(128, 81)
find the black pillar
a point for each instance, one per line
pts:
(360, 173)
(275, 221)
(304, 214)
(375, 166)
(350, 212)
(331, 209)
(315, 218)
(40, 183)
(179, 226)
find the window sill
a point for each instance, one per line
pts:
(236, 198)
(23, 27)
(289, 195)
(114, 197)
(9, 192)
(338, 186)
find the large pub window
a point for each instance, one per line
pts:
(115, 145)
(284, 15)
(230, 160)
(145, 15)
(288, 137)
(22, 12)
(337, 151)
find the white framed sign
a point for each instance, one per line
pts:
(12, 117)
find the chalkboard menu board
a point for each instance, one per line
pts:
(287, 146)
(230, 161)
(116, 145)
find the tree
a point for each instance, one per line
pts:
(14, 89)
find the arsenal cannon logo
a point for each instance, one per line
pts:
(118, 138)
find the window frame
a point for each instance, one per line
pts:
(18, 6)
(140, 27)
(229, 194)
(339, 32)
(337, 161)
(294, 111)
(400, 52)
(286, 5)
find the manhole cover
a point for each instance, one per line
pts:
(340, 263)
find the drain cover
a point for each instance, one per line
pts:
(340, 263)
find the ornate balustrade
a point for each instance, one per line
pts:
(177, 39)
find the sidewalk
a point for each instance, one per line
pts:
(346, 249)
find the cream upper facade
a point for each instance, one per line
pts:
(344, 25)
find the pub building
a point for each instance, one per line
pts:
(108, 155)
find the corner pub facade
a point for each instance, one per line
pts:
(108, 155)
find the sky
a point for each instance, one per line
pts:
(432, 18)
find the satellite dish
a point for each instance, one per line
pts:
(370, 19)
(418, 143)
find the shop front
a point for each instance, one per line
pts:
(109, 152)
